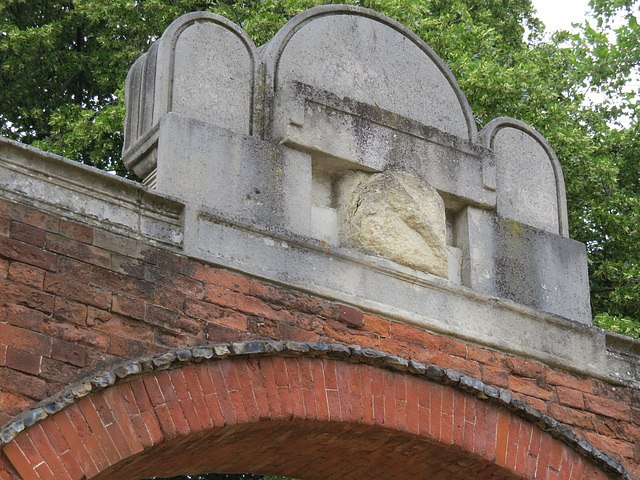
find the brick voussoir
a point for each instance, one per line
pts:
(268, 348)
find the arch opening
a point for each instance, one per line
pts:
(298, 416)
(307, 450)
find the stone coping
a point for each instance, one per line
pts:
(349, 353)
(382, 287)
(58, 185)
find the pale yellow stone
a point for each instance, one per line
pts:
(394, 215)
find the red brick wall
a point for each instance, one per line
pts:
(74, 299)
(321, 418)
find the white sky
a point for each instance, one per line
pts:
(560, 14)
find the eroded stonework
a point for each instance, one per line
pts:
(394, 215)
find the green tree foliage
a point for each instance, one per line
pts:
(63, 65)
(606, 178)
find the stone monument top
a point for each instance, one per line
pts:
(347, 135)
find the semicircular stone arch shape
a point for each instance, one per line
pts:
(531, 186)
(202, 67)
(297, 412)
(357, 53)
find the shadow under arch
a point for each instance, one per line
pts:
(305, 410)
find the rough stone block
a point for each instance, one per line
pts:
(394, 215)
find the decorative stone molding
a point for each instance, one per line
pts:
(269, 149)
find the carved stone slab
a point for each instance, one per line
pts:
(530, 182)
(360, 54)
(203, 66)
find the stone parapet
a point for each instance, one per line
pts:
(271, 148)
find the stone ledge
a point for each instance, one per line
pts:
(60, 186)
(352, 134)
(385, 288)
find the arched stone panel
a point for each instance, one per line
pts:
(357, 53)
(311, 411)
(203, 67)
(530, 184)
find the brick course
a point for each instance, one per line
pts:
(196, 417)
(87, 298)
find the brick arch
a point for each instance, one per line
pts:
(301, 416)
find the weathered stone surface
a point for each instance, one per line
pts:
(58, 403)
(491, 392)
(202, 353)
(104, 380)
(471, 384)
(202, 66)
(530, 184)
(505, 397)
(355, 350)
(451, 376)
(416, 367)
(221, 351)
(317, 349)
(184, 355)
(397, 363)
(248, 348)
(239, 176)
(9, 433)
(164, 360)
(358, 53)
(344, 134)
(294, 349)
(337, 350)
(544, 271)
(273, 346)
(80, 390)
(128, 369)
(333, 120)
(435, 372)
(396, 216)
(214, 56)
(34, 416)
(531, 266)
